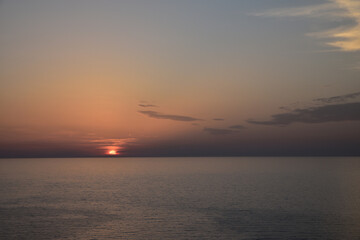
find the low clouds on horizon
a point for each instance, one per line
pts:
(322, 114)
(337, 99)
(334, 109)
(224, 131)
(218, 131)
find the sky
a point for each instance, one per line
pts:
(87, 78)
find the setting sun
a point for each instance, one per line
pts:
(112, 152)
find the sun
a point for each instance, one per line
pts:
(112, 152)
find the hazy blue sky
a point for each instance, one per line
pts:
(180, 78)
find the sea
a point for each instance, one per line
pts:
(180, 198)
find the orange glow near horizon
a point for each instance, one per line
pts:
(112, 152)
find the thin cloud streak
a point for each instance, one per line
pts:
(323, 114)
(310, 11)
(147, 105)
(158, 115)
(337, 99)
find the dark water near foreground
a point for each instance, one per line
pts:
(180, 198)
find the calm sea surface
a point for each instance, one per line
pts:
(180, 198)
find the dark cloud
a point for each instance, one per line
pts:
(337, 99)
(147, 105)
(158, 115)
(218, 119)
(341, 142)
(237, 127)
(328, 113)
(218, 131)
(41, 148)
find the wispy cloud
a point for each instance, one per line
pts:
(158, 115)
(327, 113)
(319, 10)
(344, 38)
(147, 105)
(218, 119)
(111, 141)
(337, 99)
(218, 131)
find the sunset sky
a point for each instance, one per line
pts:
(179, 78)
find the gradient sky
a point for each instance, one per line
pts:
(179, 78)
